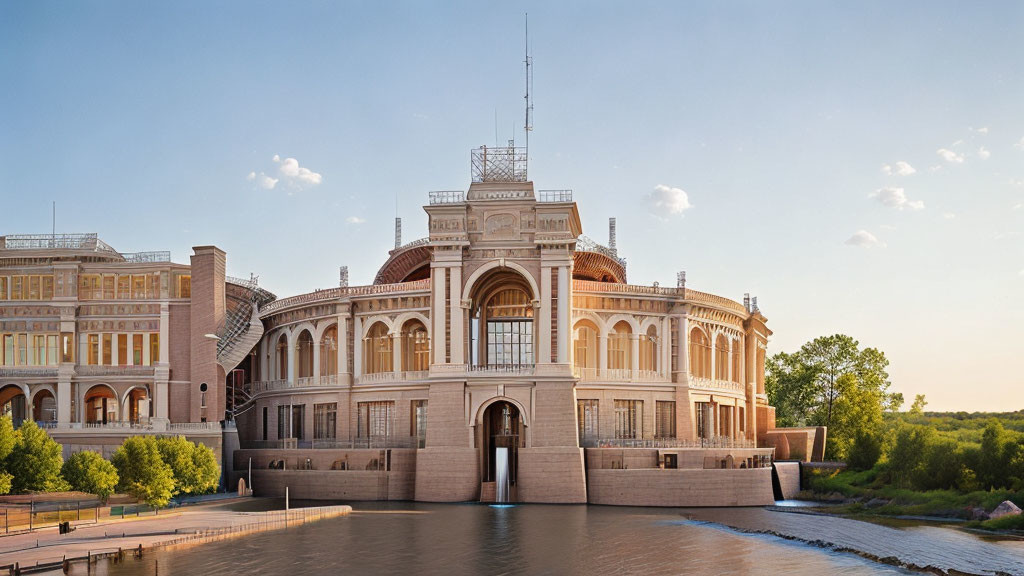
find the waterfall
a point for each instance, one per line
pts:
(501, 475)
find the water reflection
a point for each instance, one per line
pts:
(525, 539)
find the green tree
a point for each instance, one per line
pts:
(857, 409)
(992, 466)
(789, 384)
(35, 461)
(865, 451)
(917, 408)
(142, 472)
(194, 466)
(907, 455)
(87, 471)
(7, 438)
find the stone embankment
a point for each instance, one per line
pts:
(49, 550)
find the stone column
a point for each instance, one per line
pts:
(634, 356)
(564, 322)
(357, 348)
(683, 348)
(292, 344)
(750, 375)
(457, 336)
(602, 354)
(145, 350)
(396, 353)
(543, 335)
(344, 376)
(63, 403)
(316, 362)
(438, 312)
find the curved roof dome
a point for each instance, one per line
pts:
(406, 263)
(597, 267)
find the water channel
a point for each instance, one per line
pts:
(418, 538)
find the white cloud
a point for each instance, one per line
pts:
(1016, 182)
(901, 168)
(948, 215)
(667, 201)
(355, 220)
(950, 156)
(982, 130)
(1020, 144)
(1017, 206)
(1021, 273)
(983, 153)
(262, 180)
(896, 198)
(296, 174)
(864, 239)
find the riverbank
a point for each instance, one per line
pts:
(186, 527)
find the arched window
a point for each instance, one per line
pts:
(100, 405)
(721, 358)
(509, 322)
(620, 350)
(415, 347)
(329, 352)
(649, 350)
(282, 357)
(377, 350)
(700, 354)
(304, 354)
(584, 343)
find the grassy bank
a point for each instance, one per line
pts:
(866, 493)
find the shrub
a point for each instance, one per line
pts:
(194, 466)
(865, 451)
(35, 461)
(87, 471)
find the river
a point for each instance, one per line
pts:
(419, 538)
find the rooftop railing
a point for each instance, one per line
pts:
(500, 164)
(143, 257)
(341, 292)
(88, 241)
(447, 197)
(554, 196)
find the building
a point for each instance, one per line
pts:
(503, 358)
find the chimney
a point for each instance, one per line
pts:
(754, 304)
(746, 301)
(343, 277)
(681, 279)
(611, 237)
(398, 233)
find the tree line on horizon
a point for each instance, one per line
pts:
(831, 381)
(152, 469)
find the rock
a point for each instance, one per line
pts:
(976, 513)
(1007, 508)
(876, 502)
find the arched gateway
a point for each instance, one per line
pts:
(502, 435)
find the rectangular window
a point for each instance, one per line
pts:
(619, 352)
(266, 414)
(47, 287)
(138, 286)
(725, 421)
(376, 419)
(325, 421)
(16, 287)
(419, 422)
(93, 349)
(664, 419)
(67, 347)
(108, 346)
(22, 349)
(705, 419)
(184, 286)
(289, 423)
(51, 350)
(8, 349)
(137, 346)
(122, 350)
(89, 287)
(153, 286)
(34, 287)
(39, 350)
(743, 419)
(628, 419)
(154, 348)
(587, 412)
(108, 286)
(3, 287)
(124, 287)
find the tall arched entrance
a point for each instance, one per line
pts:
(502, 429)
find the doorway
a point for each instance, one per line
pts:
(502, 431)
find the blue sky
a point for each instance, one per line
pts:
(746, 143)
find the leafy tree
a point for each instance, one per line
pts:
(857, 409)
(917, 408)
(865, 451)
(35, 461)
(907, 455)
(7, 439)
(87, 471)
(194, 466)
(789, 384)
(142, 472)
(992, 463)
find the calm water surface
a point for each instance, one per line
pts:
(416, 538)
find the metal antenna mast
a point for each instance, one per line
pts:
(528, 127)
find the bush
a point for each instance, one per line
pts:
(142, 471)
(35, 461)
(87, 471)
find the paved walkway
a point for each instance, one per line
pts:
(48, 545)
